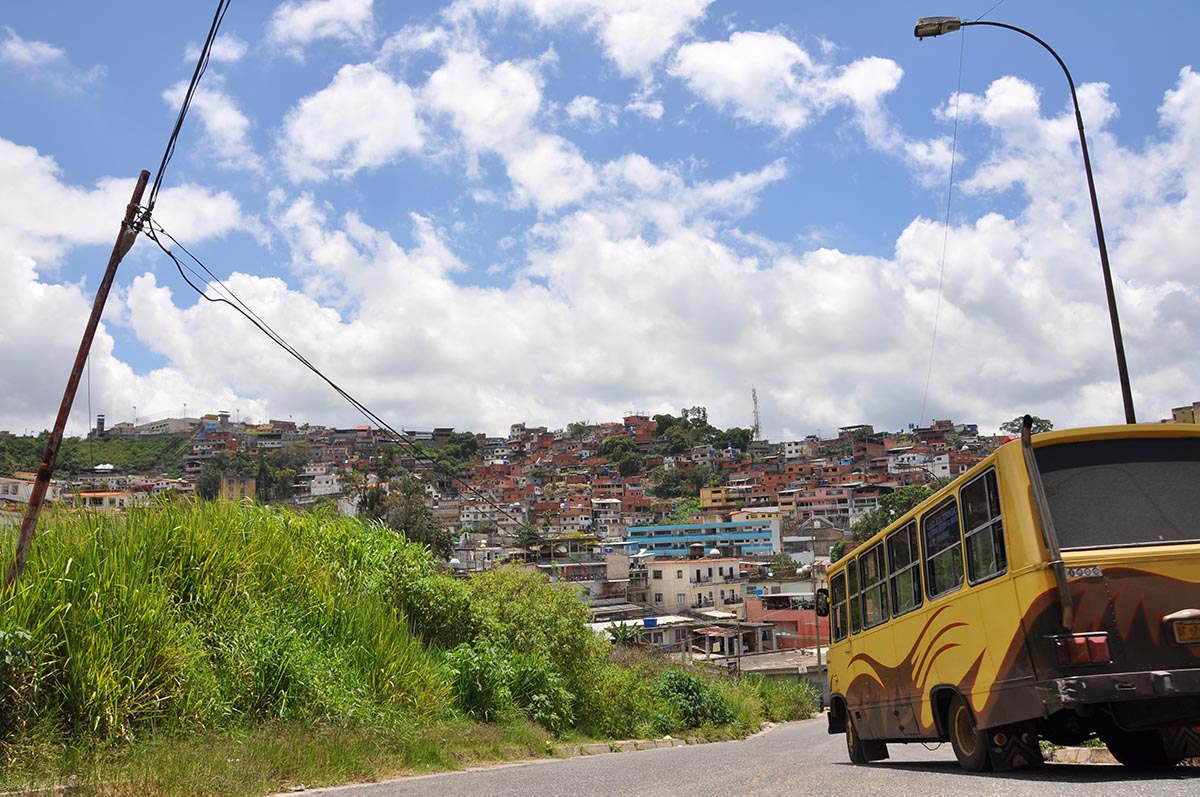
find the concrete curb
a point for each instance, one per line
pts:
(634, 745)
(1082, 755)
(621, 746)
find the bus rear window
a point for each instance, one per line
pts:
(1133, 491)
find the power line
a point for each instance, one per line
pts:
(945, 232)
(153, 230)
(201, 66)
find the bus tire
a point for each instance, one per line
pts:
(970, 744)
(1138, 749)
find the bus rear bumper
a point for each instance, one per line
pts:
(1078, 691)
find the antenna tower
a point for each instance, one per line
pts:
(757, 430)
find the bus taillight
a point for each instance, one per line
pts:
(1082, 649)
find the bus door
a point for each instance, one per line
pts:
(906, 597)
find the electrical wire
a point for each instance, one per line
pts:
(201, 67)
(946, 229)
(153, 230)
(995, 5)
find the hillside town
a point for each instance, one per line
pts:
(698, 539)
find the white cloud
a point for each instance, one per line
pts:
(494, 108)
(45, 62)
(362, 120)
(227, 49)
(42, 220)
(300, 22)
(226, 127)
(767, 79)
(760, 76)
(590, 112)
(635, 34)
(21, 52)
(645, 106)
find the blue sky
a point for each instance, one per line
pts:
(492, 211)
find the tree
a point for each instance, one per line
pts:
(405, 510)
(629, 464)
(623, 633)
(737, 437)
(530, 539)
(782, 564)
(676, 440)
(613, 447)
(1039, 425)
(667, 483)
(664, 422)
(837, 550)
(682, 513)
(891, 506)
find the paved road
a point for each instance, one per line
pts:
(793, 759)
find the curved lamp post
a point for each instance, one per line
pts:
(936, 26)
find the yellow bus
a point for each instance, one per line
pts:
(1051, 592)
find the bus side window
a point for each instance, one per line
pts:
(874, 586)
(984, 529)
(837, 588)
(855, 592)
(943, 548)
(905, 574)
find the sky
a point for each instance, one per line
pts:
(487, 212)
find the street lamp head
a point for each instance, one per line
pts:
(936, 26)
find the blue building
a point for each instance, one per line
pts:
(750, 537)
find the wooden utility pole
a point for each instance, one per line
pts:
(125, 240)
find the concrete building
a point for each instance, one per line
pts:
(748, 537)
(1186, 414)
(683, 584)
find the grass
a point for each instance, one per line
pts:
(270, 758)
(218, 648)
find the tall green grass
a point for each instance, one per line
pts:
(143, 645)
(197, 615)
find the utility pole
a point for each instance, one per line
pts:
(125, 240)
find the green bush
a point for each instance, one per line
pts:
(16, 680)
(523, 613)
(695, 702)
(480, 674)
(782, 700)
(539, 690)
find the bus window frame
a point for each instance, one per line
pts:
(838, 584)
(984, 528)
(927, 558)
(913, 533)
(876, 551)
(853, 593)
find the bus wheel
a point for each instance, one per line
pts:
(1138, 749)
(970, 744)
(854, 745)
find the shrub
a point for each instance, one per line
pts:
(523, 613)
(480, 674)
(693, 701)
(16, 681)
(782, 700)
(539, 690)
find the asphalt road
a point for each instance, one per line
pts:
(793, 759)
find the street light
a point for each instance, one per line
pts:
(936, 26)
